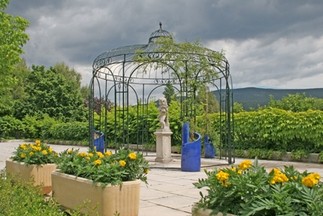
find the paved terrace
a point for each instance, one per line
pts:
(170, 192)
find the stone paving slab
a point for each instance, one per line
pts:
(169, 190)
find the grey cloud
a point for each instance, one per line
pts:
(267, 39)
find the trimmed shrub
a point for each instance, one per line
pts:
(69, 131)
(10, 127)
(279, 130)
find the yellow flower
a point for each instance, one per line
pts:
(276, 171)
(23, 146)
(316, 176)
(90, 154)
(239, 171)
(82, 154)
(222, 176)
(308, 181)
(97, 162)
(22, 155)
(50, 150)
(132, 156)
(44, 152)
(88, 158)
(100, 154)
(69, 151)
(311, 180)
(278, 177)
(245, 164)
(31, 153)
(37, 142)
(122, 163)
(35, 148)
(108, 153)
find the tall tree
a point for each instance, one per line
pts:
(12, 39)
(50, 92)
(70, 74)
(169, 92)
(73, 77)
(208, 100)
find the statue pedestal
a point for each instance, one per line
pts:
(163, 145)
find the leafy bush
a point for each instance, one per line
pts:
(297, 103)
(38, 126)
(10, 127)
(44, 127)
(22, 198)
(321, 157)
(69, 131)
(279, 130)
(299, 154)
(139, 127)
(54, 91)
(248, 189)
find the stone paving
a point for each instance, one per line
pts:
(169, 190)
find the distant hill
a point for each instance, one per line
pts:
(255, 97)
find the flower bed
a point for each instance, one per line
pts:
(248, 189)
(107, 182)
(94, 198)
(33, 162)
(106, 168)
(35, 153)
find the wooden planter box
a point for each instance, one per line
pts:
(39, 174)
(94, 198)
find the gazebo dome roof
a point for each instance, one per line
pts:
(159, 33)
(128, 51)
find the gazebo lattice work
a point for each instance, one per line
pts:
(120, 83)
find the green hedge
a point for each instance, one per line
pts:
(278, 129)
(271, 129)
(44, 127)
(69, 131)
(10, 127)
(141, 127)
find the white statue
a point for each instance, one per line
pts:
(163, 113)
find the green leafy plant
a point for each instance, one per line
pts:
(11, 127)
(248, 189)
(277, 129)
(35, 153)
(22, 198)
(12, 39)
(299, 155)
(69, 131)
(321, 157)
(106, 168)
(18, 197)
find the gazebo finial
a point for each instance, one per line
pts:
(159, 33)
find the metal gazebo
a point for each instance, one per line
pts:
(121, 83)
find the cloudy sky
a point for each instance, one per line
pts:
(269, 43)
